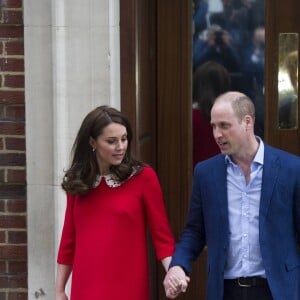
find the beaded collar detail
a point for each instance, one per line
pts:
(111, 180)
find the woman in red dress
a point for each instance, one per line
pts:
(209, 81)
(112, 199)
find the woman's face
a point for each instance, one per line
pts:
(110, 146)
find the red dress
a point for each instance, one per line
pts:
(104, 238)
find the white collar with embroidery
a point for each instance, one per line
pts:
(111, 180)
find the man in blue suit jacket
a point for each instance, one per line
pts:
(245, 207)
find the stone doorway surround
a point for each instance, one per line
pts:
(72, 64)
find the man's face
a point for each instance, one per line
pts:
(229, 132)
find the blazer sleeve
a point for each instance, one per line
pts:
(297, 205)
(192, 239)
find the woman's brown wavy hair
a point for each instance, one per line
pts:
(81, 175)
(209, 81)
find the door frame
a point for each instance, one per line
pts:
(281, 17)
(171, 103)
(172, 131)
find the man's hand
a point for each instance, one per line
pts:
(175, 282)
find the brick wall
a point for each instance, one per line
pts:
(13, 234)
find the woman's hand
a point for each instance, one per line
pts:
(175, 282)
(61, 296)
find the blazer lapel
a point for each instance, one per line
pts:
(220, 181)
(270, 174)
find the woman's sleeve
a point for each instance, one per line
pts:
(67, 243)
(160, 230)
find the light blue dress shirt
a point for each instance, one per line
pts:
(244, 256)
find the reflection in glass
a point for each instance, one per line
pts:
(288, 81)
(230, 33)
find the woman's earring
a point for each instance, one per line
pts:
(93, 149)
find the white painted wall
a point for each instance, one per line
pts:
(72, 64)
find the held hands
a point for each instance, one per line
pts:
(175, 282)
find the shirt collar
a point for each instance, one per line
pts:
(259, 156)
(111, 179)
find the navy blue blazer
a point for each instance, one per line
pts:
(279, 223)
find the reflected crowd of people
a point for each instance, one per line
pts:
(235, 38)
(210, 80)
